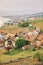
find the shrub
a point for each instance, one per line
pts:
(20, 42)
(25, 24)
(13, 52)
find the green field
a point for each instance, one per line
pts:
(15, 54)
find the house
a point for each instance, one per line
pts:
(39, 40)
(10, 42)
(4, 38)
(11, 38)
(31, 36)
(35, 32)
(9, 34)
(23, 32)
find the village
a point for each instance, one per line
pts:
(34, 39)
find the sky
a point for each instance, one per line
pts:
(12, 7)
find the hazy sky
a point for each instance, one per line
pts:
(20, 6)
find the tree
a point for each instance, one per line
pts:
(20, 42)
(25, 24)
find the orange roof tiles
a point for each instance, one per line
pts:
(4, 31)
(40, 37)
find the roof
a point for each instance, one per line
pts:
(29, 33)
(31, 37)
(4, 31)
(9, 34)
(35, 32)
(40, 37)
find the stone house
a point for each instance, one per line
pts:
(10, 42)
(31, 36)
(39, 40)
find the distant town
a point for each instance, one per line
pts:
(15, 19)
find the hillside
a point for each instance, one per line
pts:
(38, 23)
(21, 58)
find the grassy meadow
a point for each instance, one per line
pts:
(38, 23)
(15, 54)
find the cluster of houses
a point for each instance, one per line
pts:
(34, 37)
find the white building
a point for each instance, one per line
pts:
(3, 20)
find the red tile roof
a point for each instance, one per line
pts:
(40, 37)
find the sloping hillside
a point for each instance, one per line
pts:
(39, 25)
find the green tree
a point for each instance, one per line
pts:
(20, 42)
(25, 24)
